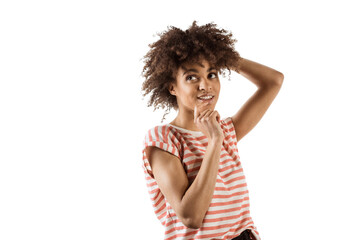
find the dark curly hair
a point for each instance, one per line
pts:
(176, 47)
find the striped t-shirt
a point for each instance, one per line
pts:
(229, 213)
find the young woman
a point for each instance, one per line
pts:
(192, 167)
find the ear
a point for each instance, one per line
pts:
(172, 89)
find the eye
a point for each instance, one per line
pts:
(190, 78)
(214, 75)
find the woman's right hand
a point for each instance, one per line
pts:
(208, 121)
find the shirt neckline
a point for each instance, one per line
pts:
(186, 130)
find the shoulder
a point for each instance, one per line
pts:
(161, 133)
(164, 137)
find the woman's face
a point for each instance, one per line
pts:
(196, 85)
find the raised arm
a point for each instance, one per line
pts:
(269, 82)
(190, 201)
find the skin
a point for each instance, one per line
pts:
(193, 81)
(189, 200)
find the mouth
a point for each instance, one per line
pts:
(206, 98)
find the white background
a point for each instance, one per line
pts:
(72, 117)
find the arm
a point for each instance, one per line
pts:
(269, 82)
(190, 201)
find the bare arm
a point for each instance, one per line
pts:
(269, 82)
(189, 201)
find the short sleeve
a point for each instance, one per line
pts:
(161, 137)
(229, 130)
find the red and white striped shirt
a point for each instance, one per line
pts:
(229, 213)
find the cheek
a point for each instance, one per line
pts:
(191, 97)
(217, 87)
(190, 92)
(188, 96)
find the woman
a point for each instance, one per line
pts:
(192, 166)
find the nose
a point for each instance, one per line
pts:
(204, 85)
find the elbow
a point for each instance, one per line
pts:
(192, 223)
(191, 218)
(280, 78)
(275, 81)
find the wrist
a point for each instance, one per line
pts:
(239, 65)
(216, 141)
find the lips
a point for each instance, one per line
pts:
(206, 97)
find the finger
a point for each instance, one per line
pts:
(195, 113)
(204, 113)
(205, 116)
(216, 115)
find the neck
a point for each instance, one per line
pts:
(185, 119)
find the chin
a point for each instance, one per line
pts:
(210, 106)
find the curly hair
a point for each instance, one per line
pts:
(176, 47)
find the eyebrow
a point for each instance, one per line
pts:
(194, 70)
